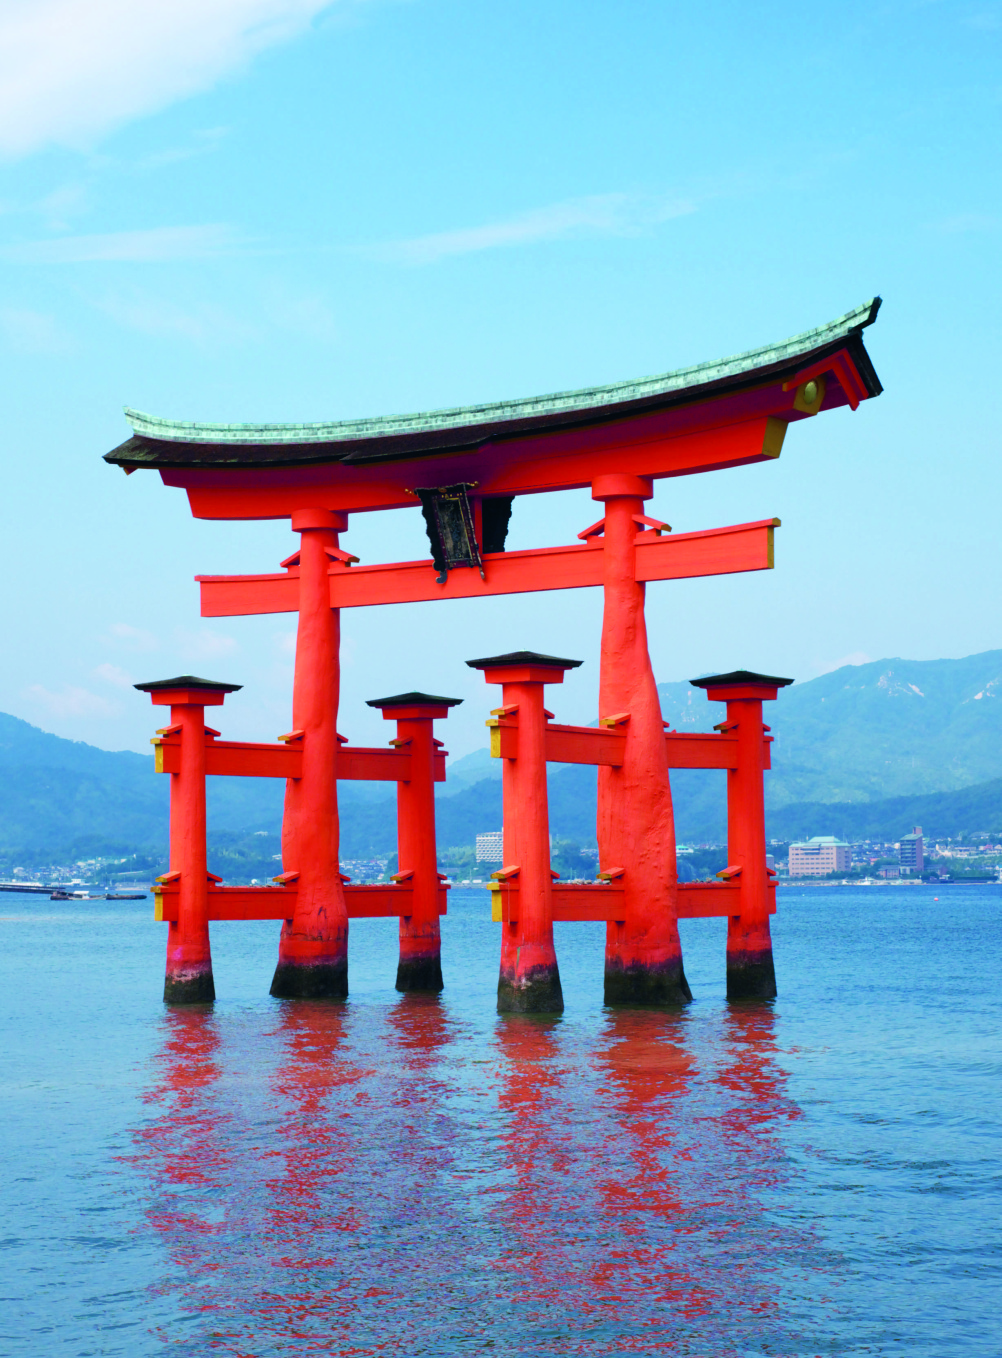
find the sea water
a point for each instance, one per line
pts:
(403, 1175)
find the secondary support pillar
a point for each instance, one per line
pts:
(420, 964)
(313, 948)
(188, 978)
(635, 825)
(529, 980)
(751, 973)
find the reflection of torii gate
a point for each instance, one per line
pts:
(465, 467)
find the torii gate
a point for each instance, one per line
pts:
(465, 467)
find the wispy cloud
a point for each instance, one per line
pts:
(157, 245)
(204, 644)
(70, 701)
(33, 332)
(133, 638)
(114, 675)
(609, 214)
(203, 143)
(963, 222)
(71, 70)
(200, 323)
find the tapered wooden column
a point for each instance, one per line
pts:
(635, 825)
(313, 948)
(420, 964)
(529, 980)
(188, 978)
(751, 973)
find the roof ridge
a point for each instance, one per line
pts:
(336, 431)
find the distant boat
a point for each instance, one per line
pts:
(126, 895)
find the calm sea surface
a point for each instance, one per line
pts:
(402, 1176)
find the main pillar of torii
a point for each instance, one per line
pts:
(464, 467)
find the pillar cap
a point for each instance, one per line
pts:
(187, 681)
(187, 690)
(739, 677)
(413, 700)
(533, 658)
(741, 684)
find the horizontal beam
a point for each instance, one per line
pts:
(573, 904)
(247, 759)
(715, 551)
(665, 443)
(594, 745)
(269, 902)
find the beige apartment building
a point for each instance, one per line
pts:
(820, 855)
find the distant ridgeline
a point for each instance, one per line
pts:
(864, 752)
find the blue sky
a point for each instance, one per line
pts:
(291, 210)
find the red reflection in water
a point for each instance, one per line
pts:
(365, 1182)
(635, 1210)
(311, 1215)
(181, 1148)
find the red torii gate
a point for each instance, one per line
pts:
(472, 462)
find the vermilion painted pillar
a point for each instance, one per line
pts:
(529, 981)
(313, 949)
(635, 826)
(189, 960)
(420, 964)
(751, 974)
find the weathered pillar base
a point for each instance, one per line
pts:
(420, 973)
(751, 976)
(662, 985)
(750, 971)
(310, 981)
(536, 990)
(191, 986)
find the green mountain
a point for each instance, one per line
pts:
(941, 814)
(868, 732)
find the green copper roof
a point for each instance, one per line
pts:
(499, 413)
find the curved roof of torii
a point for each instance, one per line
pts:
(162, 443)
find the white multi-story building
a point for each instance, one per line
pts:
(820, 855)
(490, 848)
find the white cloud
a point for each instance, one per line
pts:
(204, 644)
(157, 245)
(70, 702)
(202, 323)
(609, 214)
(112, 674)
(70, 70)
(133, 638)
(33, 332)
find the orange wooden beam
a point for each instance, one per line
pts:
(595, 745)
(268, 902)
(714, 551)
(594, 902)
(666, 443)
(249, 759)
